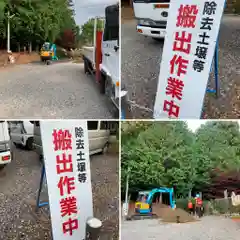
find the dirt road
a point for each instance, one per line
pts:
(19, 183)
(60, 90)
(141, 59)
(208, 228)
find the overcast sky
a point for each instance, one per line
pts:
(195, 124)
(85, 9)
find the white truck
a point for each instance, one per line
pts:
(5, 152)
(109, 64)
(151, 16)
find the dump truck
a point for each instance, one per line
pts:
(102, 60)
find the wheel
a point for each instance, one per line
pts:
(29, 144)
(85, 66)
(105, 148)
(17, 145)
(102, 84)
(2, 166)
(48, 62)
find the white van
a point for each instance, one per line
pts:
(98, 134)
(5, 153)
(21, 133)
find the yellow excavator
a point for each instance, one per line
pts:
(48, 53)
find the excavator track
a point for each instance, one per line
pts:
(142, 216)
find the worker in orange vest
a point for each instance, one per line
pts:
(190, 207)
(199, 206)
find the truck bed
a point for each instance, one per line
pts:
(88, 53)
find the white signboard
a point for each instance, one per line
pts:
(66, 157)
(192, 31)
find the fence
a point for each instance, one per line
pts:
(223, 205)
(216, 206)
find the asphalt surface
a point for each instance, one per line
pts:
(60, 90)
(208, 228)
(19, 182)
(141, 59)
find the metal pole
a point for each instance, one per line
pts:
(93, 229)
(8, 32)
(125, 205)
(94, 39)
(127, 186)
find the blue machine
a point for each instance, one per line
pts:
(145, 198)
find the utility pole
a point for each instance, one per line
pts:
(125, 205)
(8, 30)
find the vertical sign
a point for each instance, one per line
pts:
(66, 158)
(192, 31)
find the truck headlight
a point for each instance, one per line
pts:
(144, 22)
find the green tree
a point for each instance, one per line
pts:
(159, 156)
(87, 30)
(169, 154)
(37, 20)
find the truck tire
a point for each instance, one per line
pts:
(102, 83)
(85, 66)
(29, 143)
(105, 148)
(2, 166)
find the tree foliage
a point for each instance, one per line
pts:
(36, 21)
(87, 30)
(168, 154)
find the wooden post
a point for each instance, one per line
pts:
(93, 228)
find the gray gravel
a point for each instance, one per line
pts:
(140, 69)
(19, 182)
(60, 90)
(208, 228)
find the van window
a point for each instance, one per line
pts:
(92, 125)
(104, 125)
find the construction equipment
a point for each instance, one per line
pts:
(48, 53)
(143, 205)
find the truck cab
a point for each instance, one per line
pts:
(110, 53)
(151, 16)
(103, 59)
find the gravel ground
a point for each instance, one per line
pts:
(208, 228)
(60, 90)
(19, 182)
(141, 64)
